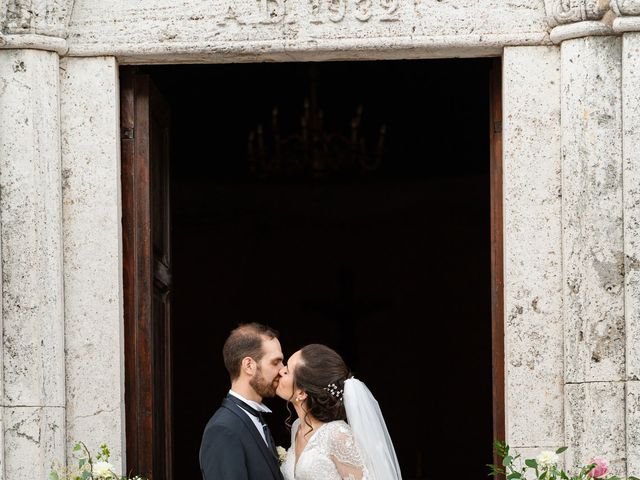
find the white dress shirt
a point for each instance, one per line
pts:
(258, 406)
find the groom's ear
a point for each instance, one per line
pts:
(248, 365)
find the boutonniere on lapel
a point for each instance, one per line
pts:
(282, 454)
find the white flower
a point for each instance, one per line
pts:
(102, 470)
(546, 459)
(282, 454)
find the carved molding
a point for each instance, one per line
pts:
(562, 12)
(35, 17)
(625, 7)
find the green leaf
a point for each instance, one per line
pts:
(77, 447)
(633, 478)
(54, 476)
(530, 462)
(561, 450)
(86, 474)
(514, 475)
(495, 470)
(506, 461)
(501, 448)
(81, 462)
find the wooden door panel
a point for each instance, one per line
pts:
(497, 272)
(147, 275)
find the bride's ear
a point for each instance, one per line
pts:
(300, 396)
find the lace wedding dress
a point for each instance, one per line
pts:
(330, 454)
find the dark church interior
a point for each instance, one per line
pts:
(367, 229)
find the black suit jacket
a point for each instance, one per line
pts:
(233, 449)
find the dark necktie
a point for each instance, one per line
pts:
(256, 413)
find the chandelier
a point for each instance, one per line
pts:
(313, 151)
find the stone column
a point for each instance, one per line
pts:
(593, 266)
(92, 253)
(31, 239)
(628, 23)
(533, 249)
(32, 35)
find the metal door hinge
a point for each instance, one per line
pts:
(127, 133)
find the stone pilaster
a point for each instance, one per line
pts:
(593, 258)
(92, 260)
(533, 248)
(32, 34)
(31, 250)
(631, 193)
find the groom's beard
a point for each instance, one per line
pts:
(262, 386)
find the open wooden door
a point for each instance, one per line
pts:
(147, 276)
(497, 268)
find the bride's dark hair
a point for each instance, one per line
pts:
(321, 373)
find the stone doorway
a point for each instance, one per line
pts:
(390, 263)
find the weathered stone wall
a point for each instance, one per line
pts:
(571, 197)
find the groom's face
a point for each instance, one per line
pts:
(267, 376)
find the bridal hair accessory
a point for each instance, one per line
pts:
(333, 389)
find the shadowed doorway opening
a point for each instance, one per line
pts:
(381, 252)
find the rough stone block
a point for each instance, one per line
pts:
(533, 245)
(631, 182)
(33, 441)
(30, 208)
(633, 428)
(92, 255)
(593, 260)
(595, 424)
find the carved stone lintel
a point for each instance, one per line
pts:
(48, 17)
(560, 12)
(625, 7)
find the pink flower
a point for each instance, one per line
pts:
(601, 468)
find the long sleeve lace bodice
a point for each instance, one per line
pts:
(330, 454)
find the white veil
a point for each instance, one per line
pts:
(370, 431)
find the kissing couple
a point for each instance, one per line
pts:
(340, 433)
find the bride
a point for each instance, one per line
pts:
(340, 433)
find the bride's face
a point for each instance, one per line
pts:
(286, 387)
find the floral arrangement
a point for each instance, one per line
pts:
(545, 466)
(90, 468)
(282, 454)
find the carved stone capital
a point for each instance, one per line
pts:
(625, 7)
(35, 17)
(628, 15)
(562, 12)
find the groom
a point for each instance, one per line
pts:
(237, 443)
